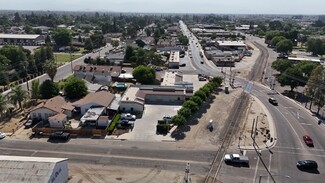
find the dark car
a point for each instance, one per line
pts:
(182, 65)
(60, 135)
(273, 101)
(307, 165)
(308, 140)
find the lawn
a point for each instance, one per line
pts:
(62, 57)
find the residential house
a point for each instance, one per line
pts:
(97, 74)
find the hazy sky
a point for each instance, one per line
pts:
(174, 6)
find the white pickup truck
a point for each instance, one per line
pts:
(236, 158)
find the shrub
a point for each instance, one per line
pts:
(191, 105)
(185, 112)
(111, 127)
(178, 120)
(200, 94)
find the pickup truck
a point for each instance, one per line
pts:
(235, 158)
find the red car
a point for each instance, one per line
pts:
(308, 140)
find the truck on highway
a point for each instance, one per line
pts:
(236, 158)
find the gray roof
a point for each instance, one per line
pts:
(27, 169)
(19, 36)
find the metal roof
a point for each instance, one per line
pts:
(19, 36)
(27, 169)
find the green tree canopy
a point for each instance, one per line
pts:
(292, 77)
(316, 46)
(50, 67)
(284, 46)
(35, 93)
(144, 74)
(282, 65)
(276, 39)
(200, 94)
(129, 52)
(88, 45)
(183, 40)
(75, 88)
(140, 43)
(316, 87)
(97, 40)
(3, 104)
(18, 95)
(197, 100)
(191, 105)
(115, 43)
(48, 89)
(62, 37)
(178, 120)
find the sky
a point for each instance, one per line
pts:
(315, 7)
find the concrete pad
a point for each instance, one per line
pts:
(193, 78)
(145, 128)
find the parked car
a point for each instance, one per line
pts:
(158, 69)
(167, 118)
(236, 158)
(273, 101)
(202, 78)
(309, 142)
(128, 116)
(182, 65)
(2, 135)
(307, 165)
(60, 135)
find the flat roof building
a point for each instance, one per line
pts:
(22, 39)
(173, 61)
(33, 169)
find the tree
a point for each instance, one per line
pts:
(205, 90)
(97, 40)
(35, 93)
(148, 31)
(191, 105)
(3, 104)
(183, 40)
(75, 88)
(144, 74)
(200, 94)
(48, 89)
(284, 46)
(48, 40)
(307, 68)
(129, 52)
(316, 46)
(88, 45)
(62, 37)
(213, 36)
(217, 81)
(269, 35)
(292, 77)
(276, 39)
(316, 87)
(185, 112)
(50, 67)
(140, 43)
(178, 120)
(282, 65)
(17, 95)
(115, 43)
(197, 100)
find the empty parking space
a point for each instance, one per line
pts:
(145, 127)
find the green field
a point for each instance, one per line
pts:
(65, 57)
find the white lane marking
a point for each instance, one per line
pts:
(306, 124)
(286, 152)
(291, 127)
(255, 173)
(270, 159)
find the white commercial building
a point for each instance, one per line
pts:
(33, 169)
(22, 39)
(173, 61)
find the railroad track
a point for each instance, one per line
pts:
(232, 127)
(257, 71)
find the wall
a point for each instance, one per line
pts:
(60, 173)
(57, 124)
(43, 112)
(164, 99)
(127, 105)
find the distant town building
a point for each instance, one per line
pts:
(173, 61)
(22, 39)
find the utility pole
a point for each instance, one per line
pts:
(26, 78)
(187, 171)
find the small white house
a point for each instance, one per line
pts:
(49, 108)
(58, 121)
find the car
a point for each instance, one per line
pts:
(236, 158)
(128, 116)
(307, 165)
(167, 118)
(202, 62)
(308, 140)
(273, 101)
(123, 71)
(158, 69)
(202, 78)
(60, 135)
(2, 135)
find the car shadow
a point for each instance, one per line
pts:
(312, 171)
(238, 165)
(57, 141)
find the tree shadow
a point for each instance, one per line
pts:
(297, 96)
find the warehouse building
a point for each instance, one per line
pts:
(22, 39)
(33, 169)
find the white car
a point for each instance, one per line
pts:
(128, 116)
(2, 135)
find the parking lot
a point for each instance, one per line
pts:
(145, 127)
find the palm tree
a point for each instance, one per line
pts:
(50, 67)
(18, 95)
(3, 104)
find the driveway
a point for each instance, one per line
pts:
(145, 128)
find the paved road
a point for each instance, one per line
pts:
(291, 121)
(121, 153)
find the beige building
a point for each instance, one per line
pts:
(173, 61)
